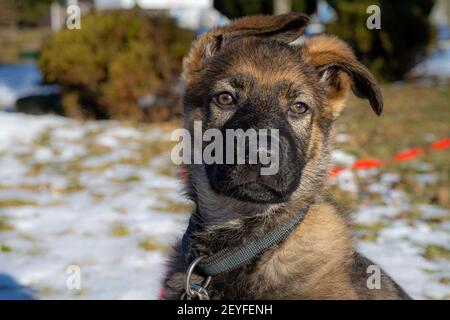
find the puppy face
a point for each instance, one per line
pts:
(259, 84)
(237, 80)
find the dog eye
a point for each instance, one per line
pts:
(225, 99)
(299, 108)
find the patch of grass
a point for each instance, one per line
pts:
(119, 230)
(431, 271)
(4, 203)
(35, 251)
(44, 139)
(344, 200)
(73, 185)
(65, 232)
(96, 196)
(151, 244)
(26, 186)
(153, 148)
(23, 157)
(4, 247)
(74, 165)
(167, 204)
(46, 291)
(132, 178)
(79, 292)
(432, 193)
(171, 206)
(414, 116)
(97, 150)
(442, 196)
(433, 252)
(167, 170)
(35, 170)
(5, 225)
(98, 169)
(88, 234)
(369, 232)
(411, 112)
(411, 215)
(27, 237)
(120, 210)
(54, 203)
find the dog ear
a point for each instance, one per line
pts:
(284, 28)
(340, 70)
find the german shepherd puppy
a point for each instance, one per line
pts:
(251, 74)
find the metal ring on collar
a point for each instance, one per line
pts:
(187, 280)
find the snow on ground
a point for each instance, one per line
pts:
(102, 196)
(83, 194)
(410, 242)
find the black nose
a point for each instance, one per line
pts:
(247, 180)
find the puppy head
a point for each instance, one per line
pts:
(248, 76)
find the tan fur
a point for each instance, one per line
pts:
(321, 276)
(252, 25)
(324, 50)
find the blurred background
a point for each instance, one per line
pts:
(89, 95)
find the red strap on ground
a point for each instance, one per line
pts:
(335, 171)
(405, 155)
(408, 154)
(367, 163)
(441, 144)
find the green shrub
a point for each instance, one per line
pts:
(112, 61)
(402, 40)
(390, 52)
